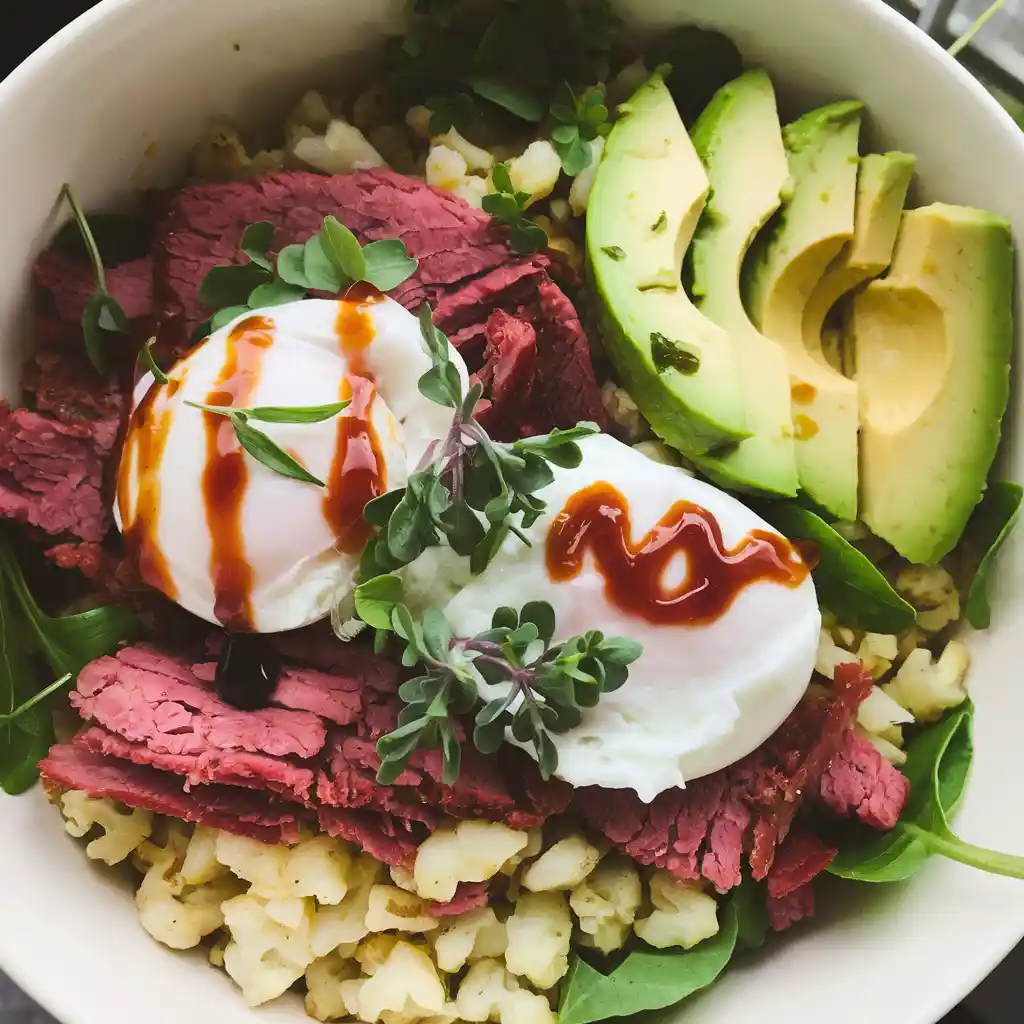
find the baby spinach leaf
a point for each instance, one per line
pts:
(848, 583)
(646, 980)
(990, 526)
(751, 914)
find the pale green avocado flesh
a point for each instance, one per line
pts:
(739, 140)
(933, 347)
(815, 223)
(648, 194)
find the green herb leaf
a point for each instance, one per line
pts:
(507, 207)
(147, 360)
(231, 286)
(93, 333)
(510, 95)
(660, 224)
(277, 413)
(225, 316)
(320, 269)
(376, 600)
(751, 914)
(343, 249)
(646, 980)
(291, 266)
(388, 264)
(449, 112)
(257, 241)
(990, 527)
(614, 252)
(667, 354)
(275, 293)
(847, 582)
(265, 451)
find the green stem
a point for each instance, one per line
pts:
(966, 853)
(37, 699)
(87, 236)
(958, 47)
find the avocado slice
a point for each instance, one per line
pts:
(789, 261)
(933, 346)
(882, 187)
(647, 197)
(739, 139)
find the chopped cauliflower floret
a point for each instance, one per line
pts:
(830, 656)
(561, 211)
(890, 751)
(373, 952)
(395, 909)
(472, 936)
(536, 171)
(312, 112)
(909, 642)
(683, 914)
(926, 689)
(484, 991)
(879, 713)
(474, 851)
(402, 877)
(534, 844)
(568, 248)
(877, 652)
(123, 831)
(619, 405)
(201, 865)
(446, 168)
(579, 194)
(472, 190)
(341, 150)
(264, 957)
(406, 983)
(315, 867)
(523, 1007)
(346, 923)
(324, 978)
(925, 586)
(935, 620)
(606, 904)
(538, 938)
(176, 915)
(564, 866)
(418, 121)
(220, 154)
(477, 159)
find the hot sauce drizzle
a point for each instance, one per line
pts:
(226, 477)
(358, 472)
(145, 441)
(597, 520)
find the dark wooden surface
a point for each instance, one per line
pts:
(998, 1001)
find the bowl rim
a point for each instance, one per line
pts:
(25, 971)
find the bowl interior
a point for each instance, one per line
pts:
(117, 100)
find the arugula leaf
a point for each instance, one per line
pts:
(147, 360)
(102, 314)
(510, 95)
(938, 766)
(646, 980)
(848, 583)
(990, 527)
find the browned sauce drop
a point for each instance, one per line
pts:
(358, 472)
(597, 520)
(803, 394)
(148, 430)
(226, 475)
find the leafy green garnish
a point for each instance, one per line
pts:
(472, 487)
(147, 360)
(646, 980)
(990, 527)
(505, 92)
(548, 686)
(667, 354)
(103, 314)
(507, 206)
(448, 112)
(582, 119)
(260, 446)
(938, 765)
(959, 45)
(848, 583)
(331, 261)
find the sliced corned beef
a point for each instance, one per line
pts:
(171, 712)
(226, 767)
(239, 811)
(51, 472)
(786, 911)
(63, 382)
(861, 781)
(747, 807)
(70, 282)
(799, 859)
(390, 840)
(469, 896)
(466, 270)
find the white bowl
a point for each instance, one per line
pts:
(117, 99)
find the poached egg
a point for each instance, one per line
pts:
(231, 540)
(724, 607)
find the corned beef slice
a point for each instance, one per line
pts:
(467, 269)
(799, 859)
(240, 811)
(51, 472)
(70, 282)
(861, 781)
(786, 911)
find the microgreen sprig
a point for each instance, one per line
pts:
(148, 360)
(103, 314)
(582, 119)
(542, 689)
(260, 446)
(468, 488)
(331, 261)
(508, 206)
